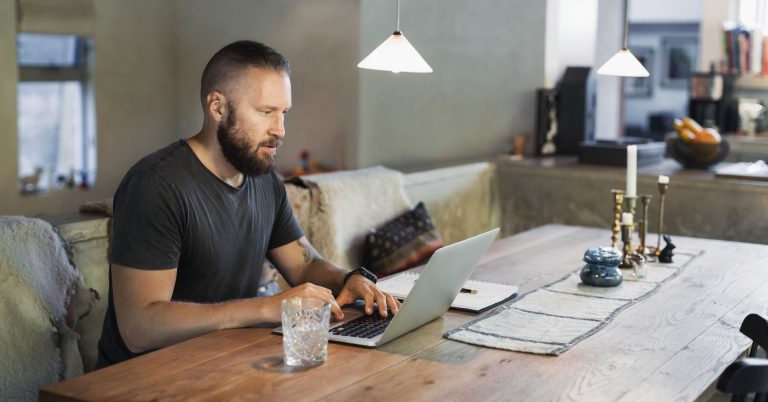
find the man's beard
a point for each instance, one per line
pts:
(237, 150)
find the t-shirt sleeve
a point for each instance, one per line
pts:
(285, 229)
(147, 228)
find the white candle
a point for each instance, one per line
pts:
(626, 218)
(631, 171)
(663, 179)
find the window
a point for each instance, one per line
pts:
(57, 146)
(753, 13)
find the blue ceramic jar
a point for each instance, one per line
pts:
(602, 267)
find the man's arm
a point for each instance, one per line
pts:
(300, 263)
(148, 319)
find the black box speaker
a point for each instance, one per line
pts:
(576, 110)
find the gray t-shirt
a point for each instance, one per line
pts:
(170, 211)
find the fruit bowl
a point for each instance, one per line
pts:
(697, 155)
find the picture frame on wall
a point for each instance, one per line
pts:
(678, 60)
(641, 87)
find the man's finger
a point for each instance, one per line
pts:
(381, 300)
(368, 297)
(345, 297)
(393, 304)
(319, 292)
(336, 310)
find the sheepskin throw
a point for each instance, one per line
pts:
(41, 298)
(346, 205)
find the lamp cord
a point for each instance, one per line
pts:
(398, 16)
(626, 22)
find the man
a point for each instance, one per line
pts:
(194, 221)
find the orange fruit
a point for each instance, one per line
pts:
(708, 136)
(686, 134)
(691, 124)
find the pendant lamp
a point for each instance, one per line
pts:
(396, 54)
(624, 63)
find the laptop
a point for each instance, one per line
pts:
(431, 296)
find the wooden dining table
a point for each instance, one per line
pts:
(672, 345)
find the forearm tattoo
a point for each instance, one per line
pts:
(308, 252)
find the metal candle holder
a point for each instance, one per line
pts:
(645, 199)
(618, 199)
(662, 192)
(631, 203)
(627, 262)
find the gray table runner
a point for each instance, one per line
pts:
(552, 319)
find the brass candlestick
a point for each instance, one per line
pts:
(645, 199)
(630, 204)
(618, 199)
(627, 262)
(662, 192)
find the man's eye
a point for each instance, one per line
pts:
(266, 112)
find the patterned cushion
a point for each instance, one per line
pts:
(401, 243)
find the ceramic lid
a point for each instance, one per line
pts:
(602, 256)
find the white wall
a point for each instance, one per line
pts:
(488, 58)
(319, 38)
(658, 11)
(713, 13)
(610, 16)
(571, 35)
(134, 89)
(577, 33)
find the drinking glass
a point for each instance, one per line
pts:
(305, 331)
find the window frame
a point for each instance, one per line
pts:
(79, 72)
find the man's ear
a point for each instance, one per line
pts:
(216, 105)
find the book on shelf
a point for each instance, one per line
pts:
(744, 51)
(475, 296)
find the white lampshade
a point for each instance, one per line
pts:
(623, 64)
(396, 54)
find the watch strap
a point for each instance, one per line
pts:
(361, 271)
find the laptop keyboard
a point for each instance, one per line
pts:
(365, 326)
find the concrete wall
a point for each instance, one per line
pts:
(488, 58)
(135, 98)
(566, 192)
(319, 38)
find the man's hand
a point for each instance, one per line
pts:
(305, 291)
(358, 286)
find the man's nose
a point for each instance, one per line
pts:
(278, 125)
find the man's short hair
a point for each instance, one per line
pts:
(232, 59)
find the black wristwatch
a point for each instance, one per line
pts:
(361, 271)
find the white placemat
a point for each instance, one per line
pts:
(552, 319)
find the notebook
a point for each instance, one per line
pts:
(475, 296)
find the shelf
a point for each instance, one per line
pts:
(756, 82)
